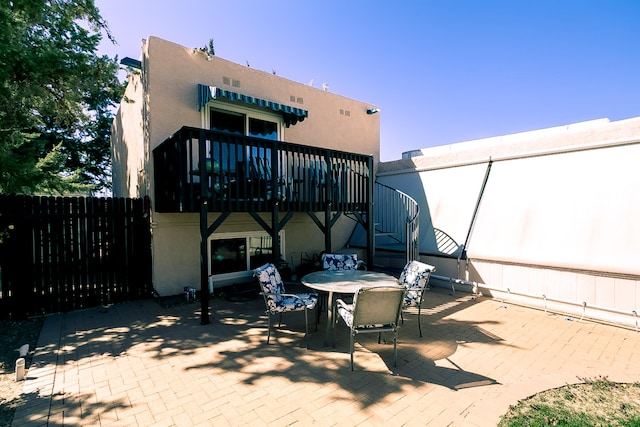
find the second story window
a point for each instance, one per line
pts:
(258, 125)
(263, 129)
(227, 122)
(252, 162)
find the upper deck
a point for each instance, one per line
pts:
(246, 174)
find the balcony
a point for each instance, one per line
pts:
(244, 174)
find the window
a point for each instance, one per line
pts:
(239, 121)
(236, 255)
(263, 129)
(246, 122)
(227, 122)
(228, 255)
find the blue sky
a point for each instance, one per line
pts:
(441, 71)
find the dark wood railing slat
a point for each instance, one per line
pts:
(250, 174)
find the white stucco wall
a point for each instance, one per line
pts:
(557, 223)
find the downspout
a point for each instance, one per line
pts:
(463, 253)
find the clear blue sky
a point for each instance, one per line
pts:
(441, 71)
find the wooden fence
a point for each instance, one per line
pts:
(66, 253)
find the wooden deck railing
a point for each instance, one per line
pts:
(244, 174)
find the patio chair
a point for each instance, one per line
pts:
(374, 309)
(278, 301)
(342, 262)
(415, 278)
(335, 262)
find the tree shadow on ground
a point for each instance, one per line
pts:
(234, 345)
(64, 409)
(287, 356)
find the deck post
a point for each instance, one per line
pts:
(275, 204)
(327, 227)
(328, 202)
(204, 209)
(275, 233)
(371, 244)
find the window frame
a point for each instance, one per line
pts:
(246, 274)
(248, 113)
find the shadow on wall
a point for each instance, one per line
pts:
(433, 241)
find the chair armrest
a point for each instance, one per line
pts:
(296, 296)
(341, 304)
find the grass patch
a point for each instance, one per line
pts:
(13, 334)
(593, 402)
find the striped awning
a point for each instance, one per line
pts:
(291, 115)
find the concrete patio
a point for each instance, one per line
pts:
(141, 364)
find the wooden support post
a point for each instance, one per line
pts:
(275, 233)
(328, 226)
(371, 243)
(204, 210)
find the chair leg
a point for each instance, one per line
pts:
(269, 328)
(335, 324)
(351, 348)
(280, 321)
(419, 326)
(401, 317)
(306, 328)
(395, 347)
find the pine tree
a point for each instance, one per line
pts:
(57, 98)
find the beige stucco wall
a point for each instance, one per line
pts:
(165, 99)
(177, 252)
(129, 157)
(174, 71)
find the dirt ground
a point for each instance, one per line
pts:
(14, 334)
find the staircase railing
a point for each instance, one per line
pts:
(396, 217)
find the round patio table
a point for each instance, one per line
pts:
(344, 282)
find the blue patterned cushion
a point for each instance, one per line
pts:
(269, 278)
(277, 299)
(340, 262)
(346, 312)
(415, 277)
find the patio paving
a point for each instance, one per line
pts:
(138, 363)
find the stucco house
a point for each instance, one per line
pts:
(273, 156)
(546, 218)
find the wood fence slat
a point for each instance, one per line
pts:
(56, 250)
(65, 253)
(92, 254)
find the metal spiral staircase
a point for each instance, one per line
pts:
(395, 217)
(396, 221)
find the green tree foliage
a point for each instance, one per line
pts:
(57, 97)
